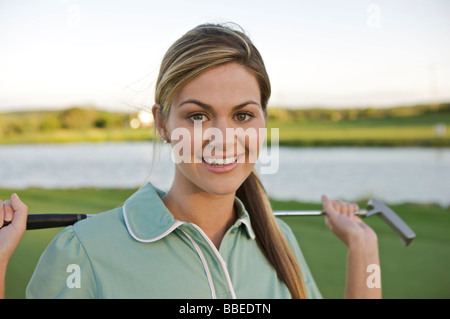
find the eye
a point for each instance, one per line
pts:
(198, 117)
(243, 117)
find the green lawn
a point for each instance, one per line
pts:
(73, 136)
(420, 270)
(400, 131)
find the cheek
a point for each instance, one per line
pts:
(186, 146)
(252, 140)
(184, 139)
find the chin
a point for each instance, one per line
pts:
(217, 184)
(221, 185)
(221, 188)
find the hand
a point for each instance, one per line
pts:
(15, 212)
(341, 220)
(362, 245)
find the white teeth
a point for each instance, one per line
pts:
(220, 161)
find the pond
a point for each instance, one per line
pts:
(394, 175)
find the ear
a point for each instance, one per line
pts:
(159, 122)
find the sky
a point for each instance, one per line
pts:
(355, 53)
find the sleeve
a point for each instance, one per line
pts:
(312, 290)
(63, 271)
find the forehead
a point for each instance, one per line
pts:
(226, 85)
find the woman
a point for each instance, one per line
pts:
(213, 234)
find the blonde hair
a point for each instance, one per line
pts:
(203, 48)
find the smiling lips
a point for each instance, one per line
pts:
(220, 161)
(223, 164)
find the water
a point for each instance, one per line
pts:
(394, 175)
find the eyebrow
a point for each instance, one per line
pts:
(209, 107)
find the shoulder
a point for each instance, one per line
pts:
(100, 225)
(287, 232)
(64, 254)
(70, 254)
(311, 286)
(291, 238)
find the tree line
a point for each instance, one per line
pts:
(350, 114)
(75, 118)
(89, 117)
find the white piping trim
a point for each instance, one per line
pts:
(222, 262)
(167, 232)
(205, 266)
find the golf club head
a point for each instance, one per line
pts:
(375, 206)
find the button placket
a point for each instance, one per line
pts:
(216, 264)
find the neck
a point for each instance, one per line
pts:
(214, 214)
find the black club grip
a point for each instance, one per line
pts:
(41, 221)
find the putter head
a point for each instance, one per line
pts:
(375, 206)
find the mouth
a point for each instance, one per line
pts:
(223, 164)
(220, 162)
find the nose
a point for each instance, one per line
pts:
(221, 136)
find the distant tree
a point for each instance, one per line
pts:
(278, 114)
(109, 120)
(50, 122)
(14, 127)
(78, 118)
(2, 124)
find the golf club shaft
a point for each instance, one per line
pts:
(361, 212)
(42, 221)
(298, 213)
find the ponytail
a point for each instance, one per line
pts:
(269, 237)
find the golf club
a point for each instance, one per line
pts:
(374, 207)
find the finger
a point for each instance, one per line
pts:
(354, 208)
(340, 207)
(349, 210)
(328, 206)
(8, 211)
(1, 213)
(20, 209)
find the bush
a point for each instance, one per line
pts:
(78, 118)
(50, 123)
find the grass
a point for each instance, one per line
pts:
(72, 136)
(394, 131)
(420, 270)
(417, 271)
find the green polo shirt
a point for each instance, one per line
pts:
(140, 251)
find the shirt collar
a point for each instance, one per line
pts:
(147, 218)
(243, 217)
